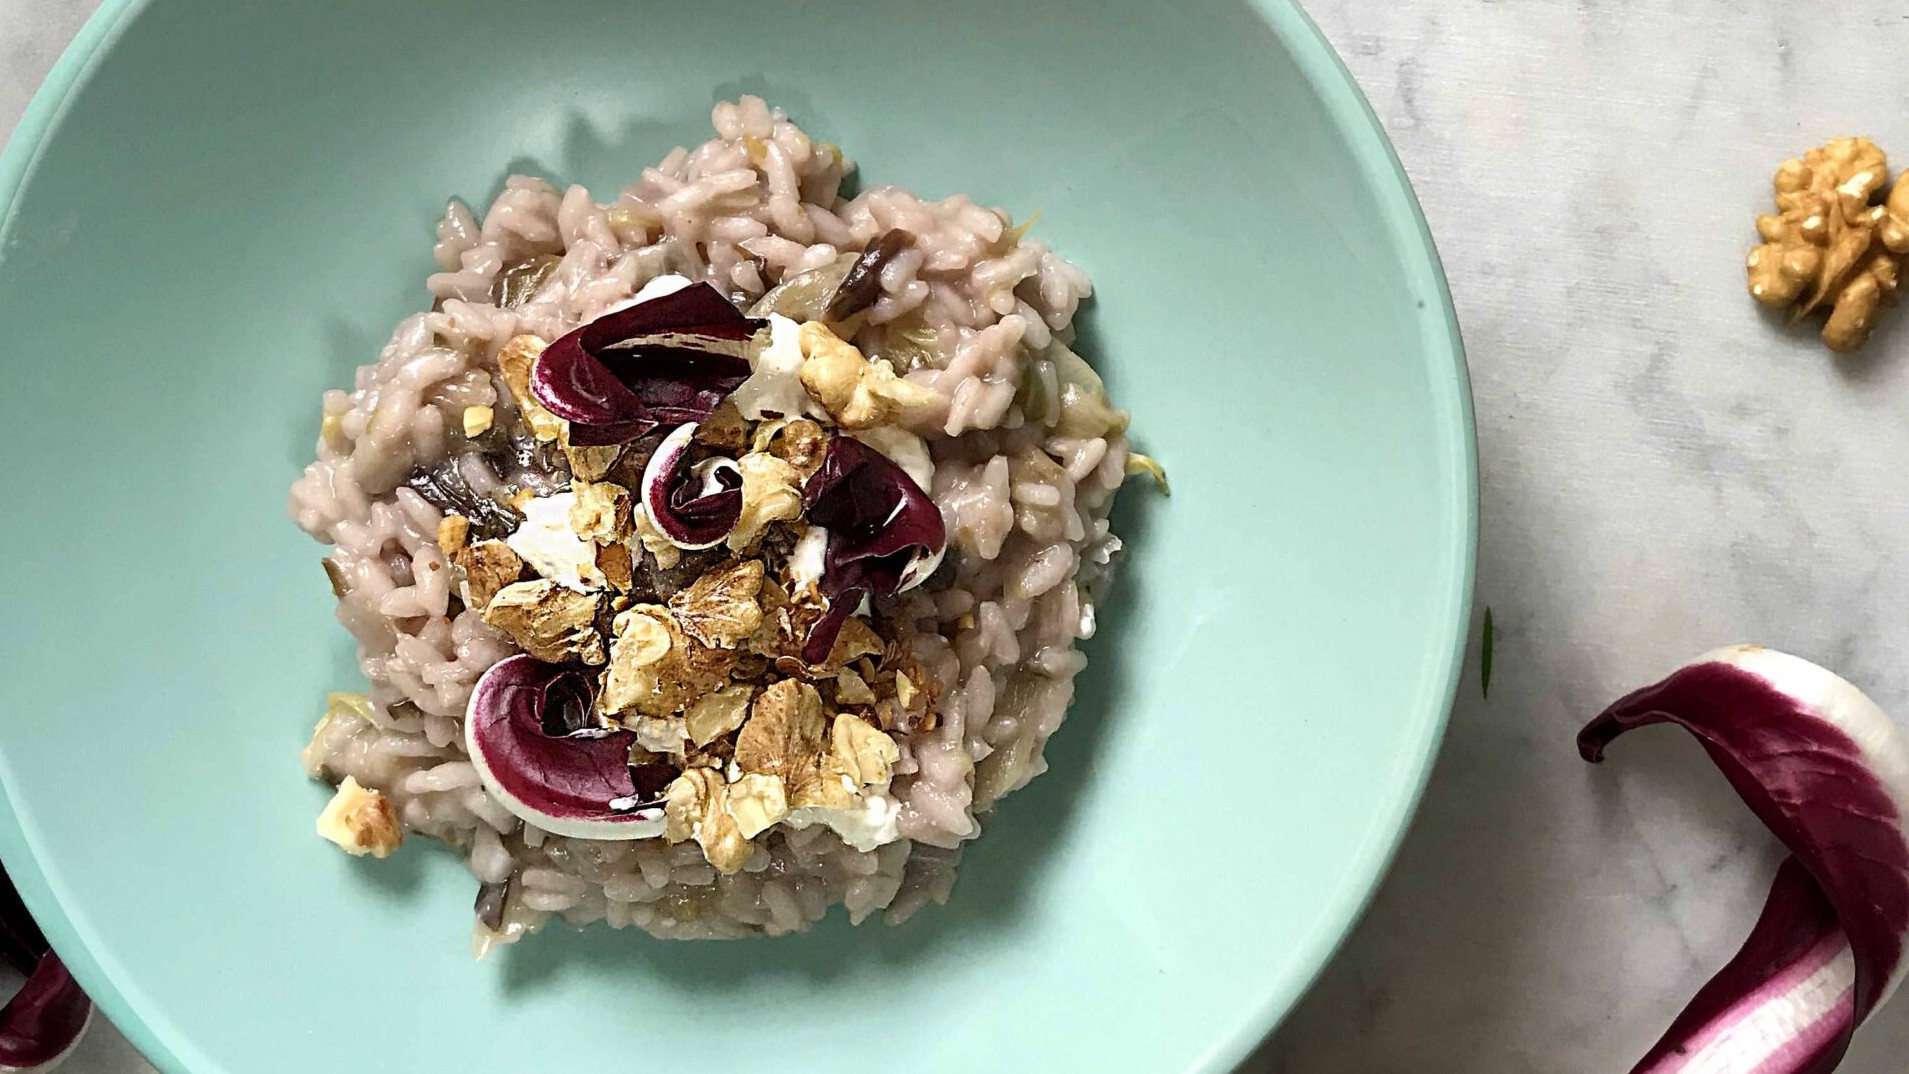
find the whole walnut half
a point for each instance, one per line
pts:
(1830, 245)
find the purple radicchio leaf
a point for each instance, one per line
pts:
(581, 785)
(662, 361)
(1826, 771)
(695, 506)
(884, 534)
(44, 1021)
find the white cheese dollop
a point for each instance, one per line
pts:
(547, 543)
(869, 824)
(805, 559)
(775, 386)
(667, 284)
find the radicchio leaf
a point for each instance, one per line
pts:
(43, 1022)
(1827, 771)
(667, 360)
(883, 530)
(582, 787)
(695, 506)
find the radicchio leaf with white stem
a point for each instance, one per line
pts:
(665, 360)
(1827, 772)
(523, 734)
(694, 505)
(885, 534)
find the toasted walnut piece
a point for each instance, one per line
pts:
(600, 512)
(857, 639)
(725, 429)
(719, 609)
(361, 821)
(784, 733)
(1827, 245)
(715, 714)
(666, 553)
(716, 755)
(453, 533)
(613, 562)
(640, 641)
(588, 463)
(514, 361)
(643, 682)
(1864, 295)
(857, 393)
(797, 441)
(487, 567)
(851, 689)
(657, 734)
(823, 785)
(905, 692)
(551, 622)
(770, 494)
(756, 802)
(860, 751)
(477, 421)
(695, 807)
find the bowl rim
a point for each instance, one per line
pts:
(1354, 119)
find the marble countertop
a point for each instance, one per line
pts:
(1663, 470)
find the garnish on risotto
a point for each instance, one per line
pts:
(716, 555)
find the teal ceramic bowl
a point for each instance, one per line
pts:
(214, 211)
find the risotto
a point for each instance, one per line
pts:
(717, 554)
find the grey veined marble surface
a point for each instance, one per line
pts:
(1664, 470)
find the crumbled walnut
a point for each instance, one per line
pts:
(1827, 245)
(852, 689)
(666, 553)
(715, 714)
(696, 808)
(857, 639)
(550, 621)
(360, 820)
(658, 734)
(453, 533)
(857, 393)
(514, 361)
(487, 567)
(769, 494)
(756, 802)
(477, 421)
(657, 674)
(589, 463)
(719, 609)
(724, 430)
(641, 639)
(860, 751)
(784, 733)
(613, 562)
(600, 512)
(797, 441)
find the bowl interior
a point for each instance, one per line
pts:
(232, 208)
